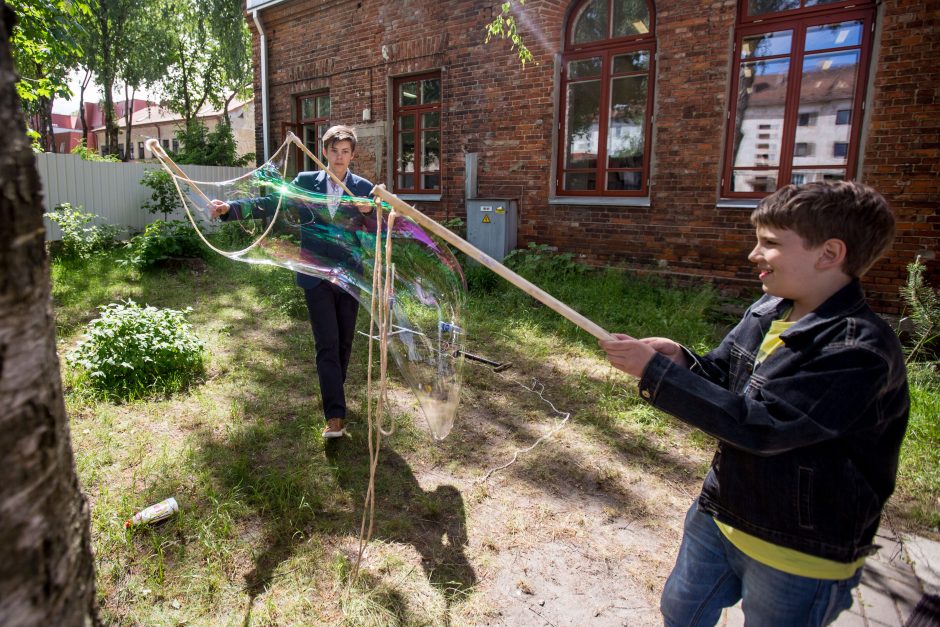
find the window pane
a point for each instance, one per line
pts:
(627, 122)
(430, 90)
(761, 7)
(408, 94)
(406, 152)
(406, 181)
(431, 151)
(431, 181)
(623, 181)
(580, 181)
(635, 62)
(754, 180)
(311, 141)
(828, 85)
(834, 36)
(581, 119)
(762, 90)
(308, 108)
(406, 122)
(631, 17)
(323, 107)
(591, 23)
(431, 120)
(807, 118)
(584, 68)
(817, 174)
(767, 44)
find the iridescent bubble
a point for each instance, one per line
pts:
(271, 218)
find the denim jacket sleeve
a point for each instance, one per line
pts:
(828, 395)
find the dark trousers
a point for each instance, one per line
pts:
(333, 319)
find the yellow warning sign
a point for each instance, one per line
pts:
(486, 219)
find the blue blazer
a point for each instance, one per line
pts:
(348, 218)
(320, 233)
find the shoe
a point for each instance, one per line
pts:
(335, 428)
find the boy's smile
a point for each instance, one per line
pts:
(789, 269)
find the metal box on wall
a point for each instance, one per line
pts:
(492, 224)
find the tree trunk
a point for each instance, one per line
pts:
(46, 564)
(128, 121)
(81, 107)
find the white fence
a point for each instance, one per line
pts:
(112, 191)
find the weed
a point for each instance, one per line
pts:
(131, 351)
(162, 241)
(81, 238)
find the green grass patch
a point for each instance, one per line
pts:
(270, 514)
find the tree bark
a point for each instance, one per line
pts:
(46, 563)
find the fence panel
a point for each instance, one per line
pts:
(112, 191)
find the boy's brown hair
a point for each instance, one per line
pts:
(339, 133)
(845, 210)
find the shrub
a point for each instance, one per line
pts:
(540, 262)
(923, 307)
(80, 237)
(162, 241)
(90, 155)
(132, 351)
(163, 199)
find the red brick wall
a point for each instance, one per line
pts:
(494, 107)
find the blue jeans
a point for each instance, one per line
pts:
(711, 574)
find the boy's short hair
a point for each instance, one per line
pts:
(845, 210)
(339, 133)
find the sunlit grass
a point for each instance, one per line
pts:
(270, 515)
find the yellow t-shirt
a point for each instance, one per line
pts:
(779, 557)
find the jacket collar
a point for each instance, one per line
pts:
(843, 303)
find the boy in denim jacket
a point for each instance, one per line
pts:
(808, 399)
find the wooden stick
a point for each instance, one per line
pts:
(471, 251)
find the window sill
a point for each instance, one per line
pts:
(604, 201)
(420, 197)
(737, 203)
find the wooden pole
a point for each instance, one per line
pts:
(471, 251)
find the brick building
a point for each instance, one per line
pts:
(644, 131)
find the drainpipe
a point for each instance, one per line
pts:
(263, 46)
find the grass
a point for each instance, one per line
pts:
(269, 518)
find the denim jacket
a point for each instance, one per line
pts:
(809, 440)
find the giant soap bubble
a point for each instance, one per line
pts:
(272, 219)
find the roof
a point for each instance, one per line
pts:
(155, 114)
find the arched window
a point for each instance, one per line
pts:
(800, 74)
(606, 99)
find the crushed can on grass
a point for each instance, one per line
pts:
(154, 514)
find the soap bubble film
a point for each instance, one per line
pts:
(273, 220)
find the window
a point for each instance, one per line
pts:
(313, 120)
(606, 99)
(140, 150)
(176, 145)
(166, 144)
(417, 131)
(799, 68)
(807, 119)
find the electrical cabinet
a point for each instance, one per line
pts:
(492, 224)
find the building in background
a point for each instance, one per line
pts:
(153, 121)
(643, 133)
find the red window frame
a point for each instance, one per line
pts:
(319, 123)
(418, 111)
(798, 21)
(607, 49)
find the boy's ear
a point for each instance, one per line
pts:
(832, 254)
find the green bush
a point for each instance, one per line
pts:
(161, 241)
(132, 352)
(923, 310)
(540, 262)
(164, 198)
(90, 155)
(81, 238)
